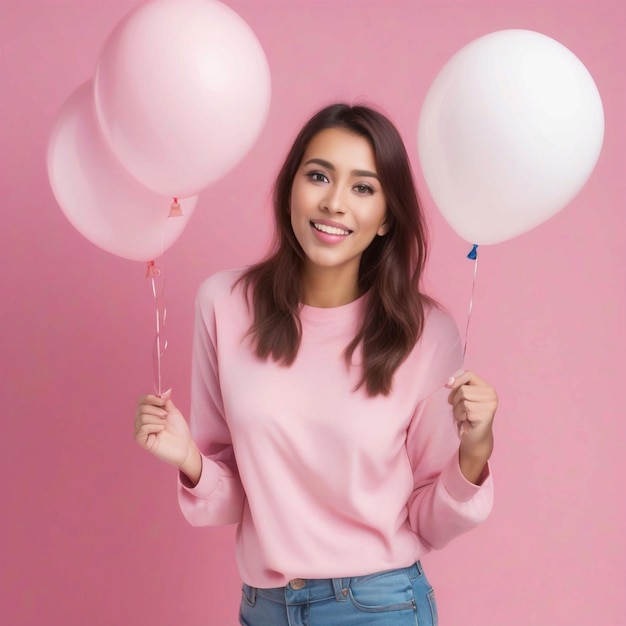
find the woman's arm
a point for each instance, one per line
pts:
(209, 488)
(210, 492)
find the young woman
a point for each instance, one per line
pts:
(330, 418)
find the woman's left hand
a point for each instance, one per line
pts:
(474, 403)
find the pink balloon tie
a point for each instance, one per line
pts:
(175, 210)
(152, 271)
(160, 343)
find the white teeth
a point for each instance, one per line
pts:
(331, 230)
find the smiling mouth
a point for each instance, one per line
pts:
(330, 230)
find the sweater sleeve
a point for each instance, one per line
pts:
(444, 504)
(218, 496)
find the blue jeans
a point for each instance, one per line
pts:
(399, 597)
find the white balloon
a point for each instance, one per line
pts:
(509, 132)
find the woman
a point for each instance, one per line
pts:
(330, 416)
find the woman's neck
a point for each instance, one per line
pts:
(330, 287)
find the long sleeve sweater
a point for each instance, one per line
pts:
(322, 480)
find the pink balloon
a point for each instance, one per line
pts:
(98, 196)
(182, 90)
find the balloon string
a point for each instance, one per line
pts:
(473, 256)
(157, 281)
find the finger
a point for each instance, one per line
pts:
(484, 394)
(149, 409)
(149, 419)
(143, 433)
(468, 407)
(465, 378)
(469, 384)
(151, 399)
(456, 382)
(450, 382)
(150, 428)
(472, 413)
(169, 407)
(458, 390)
(460, 413)
(461, 418)
(166, 395)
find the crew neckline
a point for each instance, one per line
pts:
(310, 313)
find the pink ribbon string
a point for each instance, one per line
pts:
(157, 280)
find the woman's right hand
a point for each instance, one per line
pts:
(161, 429)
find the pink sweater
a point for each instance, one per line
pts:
(324, 482)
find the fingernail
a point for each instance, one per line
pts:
(166, 394)
(450, 381)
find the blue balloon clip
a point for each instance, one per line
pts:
(473, 254)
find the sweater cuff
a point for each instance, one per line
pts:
(209, 479)
(459, 488)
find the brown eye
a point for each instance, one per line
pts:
(364, 189)
(317, 177)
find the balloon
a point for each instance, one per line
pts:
(509, 133)
(98, 196)
(182, 90)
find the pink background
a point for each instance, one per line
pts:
(91, 530)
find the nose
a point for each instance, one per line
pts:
(333, 201)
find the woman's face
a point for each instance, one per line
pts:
(337, 202)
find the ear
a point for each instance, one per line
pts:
(383, 229)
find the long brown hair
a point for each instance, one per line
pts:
(389, 271)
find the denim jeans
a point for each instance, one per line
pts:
(399, 597)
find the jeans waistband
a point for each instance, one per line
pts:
(304, 590)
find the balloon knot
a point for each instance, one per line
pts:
(175, 210)
(152, 271)
(473, 253)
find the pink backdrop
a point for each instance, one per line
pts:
(91, 530)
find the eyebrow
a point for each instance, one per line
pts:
(328, 165)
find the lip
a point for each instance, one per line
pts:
(331, 223)
(327, 238)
